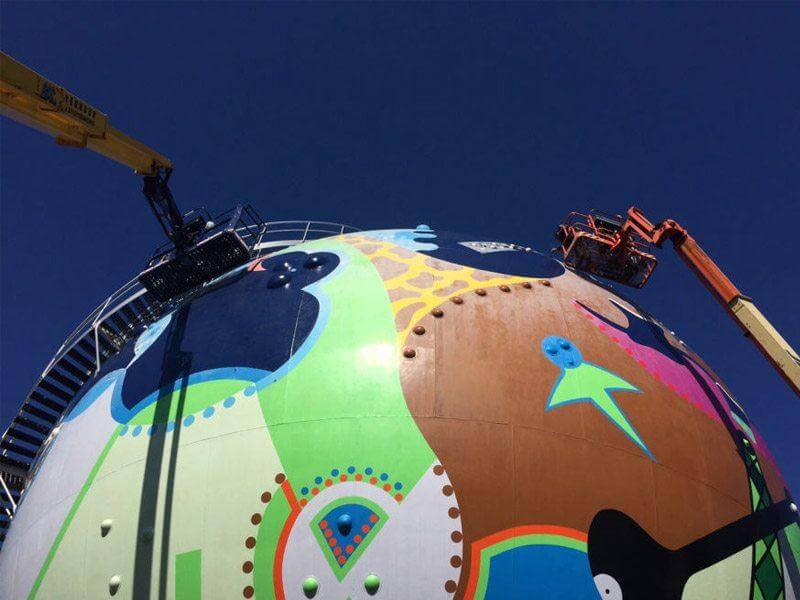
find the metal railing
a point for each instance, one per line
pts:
(118, 319)
(268, 231)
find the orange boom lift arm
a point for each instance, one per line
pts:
(618, 248)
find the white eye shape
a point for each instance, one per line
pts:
(608, 587)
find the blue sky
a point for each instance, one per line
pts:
(495, 119)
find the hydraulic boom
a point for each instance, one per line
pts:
(200, 250)
(29, 98)
(616, 248)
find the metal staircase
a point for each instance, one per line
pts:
(120, 318)
(101, 335)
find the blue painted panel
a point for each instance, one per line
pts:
(552, 572)
(250, 321)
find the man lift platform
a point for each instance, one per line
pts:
(619, 248)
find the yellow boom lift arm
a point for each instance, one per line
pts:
(201, 250)
(29, 98)
(33, 100)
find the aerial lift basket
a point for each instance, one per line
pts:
(596, 243)
(225, 243)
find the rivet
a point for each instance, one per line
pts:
(455, 561)
(247, 567)
(284, 266)
(453, 512)
(409, 352)
(105, 527)
(113, 584)
(255, 519)
(248, 591)
(310, 587)
(456, 536)
(437, 312)
(447, 490)
(480, 292)
(250, 542)
(280, 478)
(314, 262)
(371, 584)
(527, 285)
(147, 534)
(419, 330)
(457, 300)
(504, 288)
(551, 349)
(438, 469)
(266, 497)
(565, 344)
(279, 280)
(545, 283)
(450, 586)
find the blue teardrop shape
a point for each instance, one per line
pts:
(344, 524)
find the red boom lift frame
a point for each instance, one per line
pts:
(618, 248)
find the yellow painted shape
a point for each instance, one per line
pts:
(442, 279)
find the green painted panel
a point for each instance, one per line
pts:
(793, 535)
(729, 579)
(187, 576)
(343, 404)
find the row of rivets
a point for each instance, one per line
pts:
(437, 312)
(250, 543)
(450, 585)
(282, 271)
(115, 581)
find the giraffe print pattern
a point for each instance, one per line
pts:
(417, 283)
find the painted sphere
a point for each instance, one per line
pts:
(405, 414)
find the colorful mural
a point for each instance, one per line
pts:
(405, 413)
